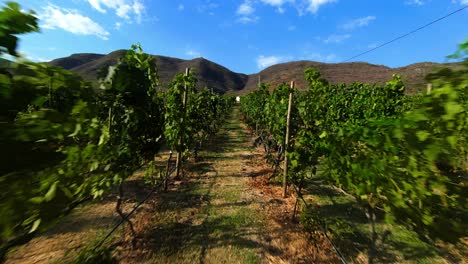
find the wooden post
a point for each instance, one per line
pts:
(110, 120)
(50, 92)
(179, 153)
(286, 141)
(429, 88)
(166, 174)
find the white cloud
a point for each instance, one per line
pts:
(181, 7)
(423, 2)
(291, 28)
(415, 2)
(246, 19)
(55, 17)
(138, 9)
(97, 5)
(117, 25)
(246, 13)
(193, 53)
(278, 4)
(266, 61)
(303, 6)
(122, 8)
(359, 22)
(246, 8)
(336, 38)
(314, 5)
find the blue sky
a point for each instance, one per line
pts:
(248, 35)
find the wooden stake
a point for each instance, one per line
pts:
(166, 174)
(429, 88)
(286, 142)
(179, 153)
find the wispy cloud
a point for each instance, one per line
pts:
(193, 53)
(303, 6)
(208, 7)
(246, 11)
(314, 5)
(291, 28)
(248, 19)
(462, 2)
(359, 22)
(423, 2)
(336, 38)
(54, 17)
(180, 7)
(122, 8)
(266, 61)
(415, 2)
(246, 8)
(278, 4)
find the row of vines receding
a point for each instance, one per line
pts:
(65, 141)
(403, 157)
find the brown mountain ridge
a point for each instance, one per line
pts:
(223, 80)
(209, 74)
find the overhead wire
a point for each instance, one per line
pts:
(407, 34)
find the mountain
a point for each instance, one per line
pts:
(223, 80)
(413, 75)
(209, 74)
(76, 60)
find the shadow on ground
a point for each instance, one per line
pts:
(350, 228)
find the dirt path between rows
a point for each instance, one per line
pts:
(222, 211)
(225, 212)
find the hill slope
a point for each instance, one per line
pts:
(223, 80)
(209, 74)
(413, 75)
(76, 60)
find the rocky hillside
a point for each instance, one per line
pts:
(209, 74)
(413, 75)
(223, 80)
